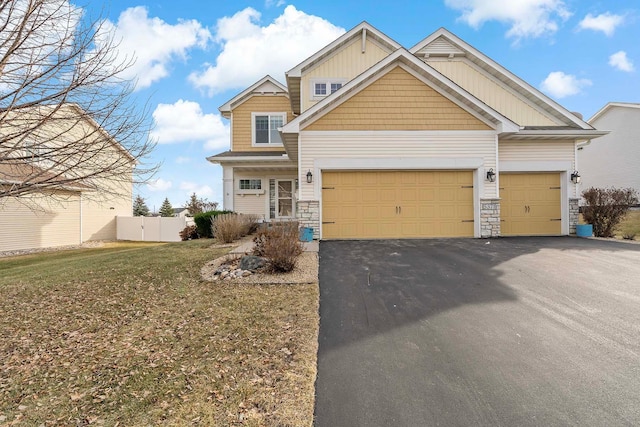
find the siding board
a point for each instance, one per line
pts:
(398, 101)
(491, 93)
(241, 123)
(428, 145)
(527, 151)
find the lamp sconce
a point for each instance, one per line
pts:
(491, 175)
(575, 177)
(309, 177)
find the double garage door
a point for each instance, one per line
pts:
(397, 204)
(417, 204)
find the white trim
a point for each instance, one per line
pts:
(227, 106)
(473, 52)
(340, 41)
(610, 105)
(434, 78)
(395, 133)
(326, 80)
(269, 114)
(227, 188)
(293, 199)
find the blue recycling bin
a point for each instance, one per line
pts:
(306, 234)
(584, 230)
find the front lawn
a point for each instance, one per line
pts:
(629, 226)
(129, 335)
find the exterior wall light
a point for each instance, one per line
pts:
(491, 175)
(575, 177)
(309, 177)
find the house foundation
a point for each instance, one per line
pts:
(308, 212)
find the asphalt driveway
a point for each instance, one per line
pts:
(513, 331)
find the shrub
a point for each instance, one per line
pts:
(190, 232)
(230, 227)
(606, 207)
(279, 244)
(203, 222)
(629, 236)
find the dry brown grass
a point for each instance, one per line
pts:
(129, 335)
(630, 225)
(230, 227)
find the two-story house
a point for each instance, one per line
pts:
(373, 140)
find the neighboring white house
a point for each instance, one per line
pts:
(613, 160)
(65, 214)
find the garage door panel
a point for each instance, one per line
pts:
(397, 204)
(530, 204)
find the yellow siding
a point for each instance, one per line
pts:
(428, 145)
(491, 93)
(241, 122)
(527, 151)
(99, 212)
(398, 101)
(49, 224)
(346, 64)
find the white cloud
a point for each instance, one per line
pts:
(159, 185)
(249, 51)
(184, 121)
(620, 61)
(605, 22)
(560, 85)
(200, 190)
(151, 42)
(182, 160)
(528, 18)
(272, 3)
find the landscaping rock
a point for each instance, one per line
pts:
(252, 263)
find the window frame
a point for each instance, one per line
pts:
(269, 114)
(327, 82)
(240, 190)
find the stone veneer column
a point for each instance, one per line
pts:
(574, 214)
(308, 214)
(489, 218)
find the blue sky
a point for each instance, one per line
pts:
(193, 55)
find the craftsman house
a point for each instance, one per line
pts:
(369, 139)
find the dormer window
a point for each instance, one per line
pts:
(265, 128)
(321, 87)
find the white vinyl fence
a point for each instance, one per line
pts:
(150, 229)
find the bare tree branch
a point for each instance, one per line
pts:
(67, 120)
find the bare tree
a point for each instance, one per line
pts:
(67, 120)
(196, 205)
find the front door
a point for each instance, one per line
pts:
(284, 198)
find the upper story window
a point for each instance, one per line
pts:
(323, 87)
(265, 128)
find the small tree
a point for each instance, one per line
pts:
(166, 210)
(196, 205)
(606, 207)
(140, 207)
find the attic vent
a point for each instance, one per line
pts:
(440, 47)
(578, 115)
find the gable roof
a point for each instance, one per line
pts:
(363, 30)
(444, 43)
(418, 68)
(611, 105)
(267, 84)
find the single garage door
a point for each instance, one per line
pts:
(530, 204)
(397, 204)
